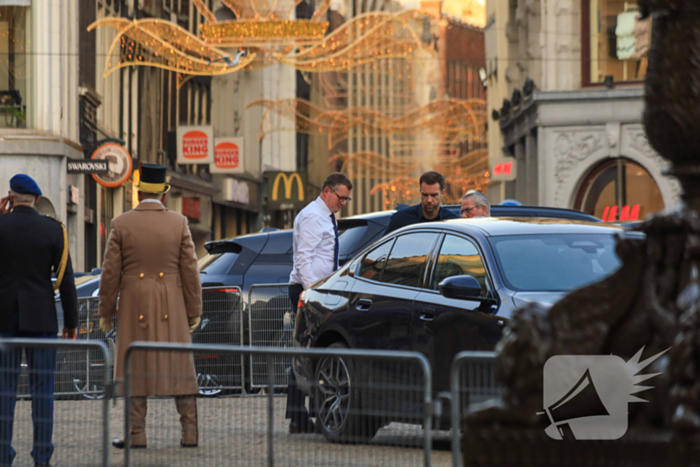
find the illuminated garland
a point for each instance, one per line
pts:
(455, 120)
(268, 38)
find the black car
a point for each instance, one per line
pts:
(437, 288)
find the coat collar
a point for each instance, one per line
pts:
(25, 210)
(150, 207)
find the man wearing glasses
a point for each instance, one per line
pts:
(475, 204)
(432, 190)
(315, 245)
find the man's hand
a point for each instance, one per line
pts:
(194, 323)
(70, 334)
(106, 325)
(5, 205)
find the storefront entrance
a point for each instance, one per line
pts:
(619, 190)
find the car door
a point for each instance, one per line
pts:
(382, 296)
(442, 327)
(380, 306)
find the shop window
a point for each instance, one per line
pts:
(14, 83)
(619, 190)
(615, 41)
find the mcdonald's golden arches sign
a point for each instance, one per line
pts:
(285, 190)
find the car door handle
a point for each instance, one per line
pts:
(427, 316)
(363, 304)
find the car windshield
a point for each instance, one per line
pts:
(554, 262)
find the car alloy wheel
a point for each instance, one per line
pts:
(208, 385)
(334, 389)
(95, 391)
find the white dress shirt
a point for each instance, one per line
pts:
(150, 200)
(314, 244)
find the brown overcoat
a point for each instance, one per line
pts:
(151, 265)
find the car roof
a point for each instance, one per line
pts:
(498, 226)
(370, 215)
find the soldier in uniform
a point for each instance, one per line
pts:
(32, 247)
(151, 265)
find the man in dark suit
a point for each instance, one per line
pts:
(432, 190)
(31, 248)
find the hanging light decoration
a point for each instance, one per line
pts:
(455, 119)
(268, 34)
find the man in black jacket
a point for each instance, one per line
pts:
(32, 247)
(432, 190)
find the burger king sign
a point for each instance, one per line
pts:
(228, 156)
(195, 145)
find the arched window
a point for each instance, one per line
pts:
(619, 190)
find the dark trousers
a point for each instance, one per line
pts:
(42, 365)
(296, 406)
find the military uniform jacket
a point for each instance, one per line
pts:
(150, 264)
(31, 246)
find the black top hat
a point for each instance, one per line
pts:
(152, 179)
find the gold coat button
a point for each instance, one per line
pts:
(141, 276)
(160, 275)
(141, 318)
(165, 317)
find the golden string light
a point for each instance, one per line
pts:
(455, 119)
(268, 36)
(368, 163)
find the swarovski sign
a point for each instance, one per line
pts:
(88, 166)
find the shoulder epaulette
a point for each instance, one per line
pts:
(64, 256)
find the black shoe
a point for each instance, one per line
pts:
(183, 445)
(296, 428)
(120, 444)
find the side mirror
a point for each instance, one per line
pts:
(460, 287)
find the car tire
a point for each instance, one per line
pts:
(338, 401)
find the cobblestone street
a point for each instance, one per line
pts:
(232, 432)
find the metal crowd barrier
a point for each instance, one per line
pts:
(80, 434)
(270, 324)
(382, 398)
(222, 324)
(472, 380)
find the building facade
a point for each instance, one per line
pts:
(39, 128)
(566, 99)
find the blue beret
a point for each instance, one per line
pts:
(24, 184)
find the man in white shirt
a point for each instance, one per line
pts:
(315, 257)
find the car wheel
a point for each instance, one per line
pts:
(93, 391)
(209, 385)
(338, 403)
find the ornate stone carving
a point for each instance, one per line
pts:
(570, 149)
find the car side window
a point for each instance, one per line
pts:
(374, 261)
(459, 257)
(407, 260)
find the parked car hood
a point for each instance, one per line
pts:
(545, 298)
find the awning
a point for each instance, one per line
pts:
(193, 184)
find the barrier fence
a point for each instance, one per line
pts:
(271, 324)
(256, 334)
(35, 418)
(357, 393)
(366, 404)
(222, 324)
(472, 381)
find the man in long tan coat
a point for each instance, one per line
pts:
(151, 265)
